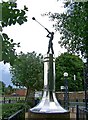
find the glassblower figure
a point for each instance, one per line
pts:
(50, 35)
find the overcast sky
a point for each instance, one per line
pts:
(31, 35)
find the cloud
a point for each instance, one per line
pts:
(4, 67)
(5, 75)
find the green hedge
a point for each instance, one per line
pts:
(10, 109)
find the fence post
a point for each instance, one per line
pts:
(77, 112)
(9, 101)
(4, 99)
(87, 112)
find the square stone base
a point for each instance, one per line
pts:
(48, 116)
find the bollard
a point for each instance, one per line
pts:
(9, 101)
(83, 100)
(4, 99)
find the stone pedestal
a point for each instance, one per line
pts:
(48, 116)
(49, 108)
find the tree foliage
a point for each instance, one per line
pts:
(10, 16)
(73, 26)
(73, 65)
(5, 90)
(2, 88)
(28, 71)
(8, 49)
(9, 90)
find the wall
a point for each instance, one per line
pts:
(72, 95)
(60, 95)
(21, 92)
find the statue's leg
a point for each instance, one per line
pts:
(48, 49)
(52, 49)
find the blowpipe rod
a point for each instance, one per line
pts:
(33, 18)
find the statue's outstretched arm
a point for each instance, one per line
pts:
(47, 30)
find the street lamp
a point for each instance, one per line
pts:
(75, 87)
(74, 77)
(66, 95)
(74, 83)
(65, 74)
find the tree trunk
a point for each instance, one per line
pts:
(30, 98)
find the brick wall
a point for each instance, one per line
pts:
(21, 92)
(60, 95)
(72, 95)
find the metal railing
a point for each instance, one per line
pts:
(20, 115)
(82, 113)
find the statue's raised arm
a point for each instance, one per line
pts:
(47, 30)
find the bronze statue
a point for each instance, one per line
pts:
(50, 35)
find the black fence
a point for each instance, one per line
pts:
(20, 115)
(82, 113)
(78, 108)
(9, 100)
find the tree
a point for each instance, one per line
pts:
(2, 88)
(73, 26)
(73, 65)
(9, 90)
(10, 16)
(28, 71)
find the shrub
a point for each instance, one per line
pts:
(10, 109)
